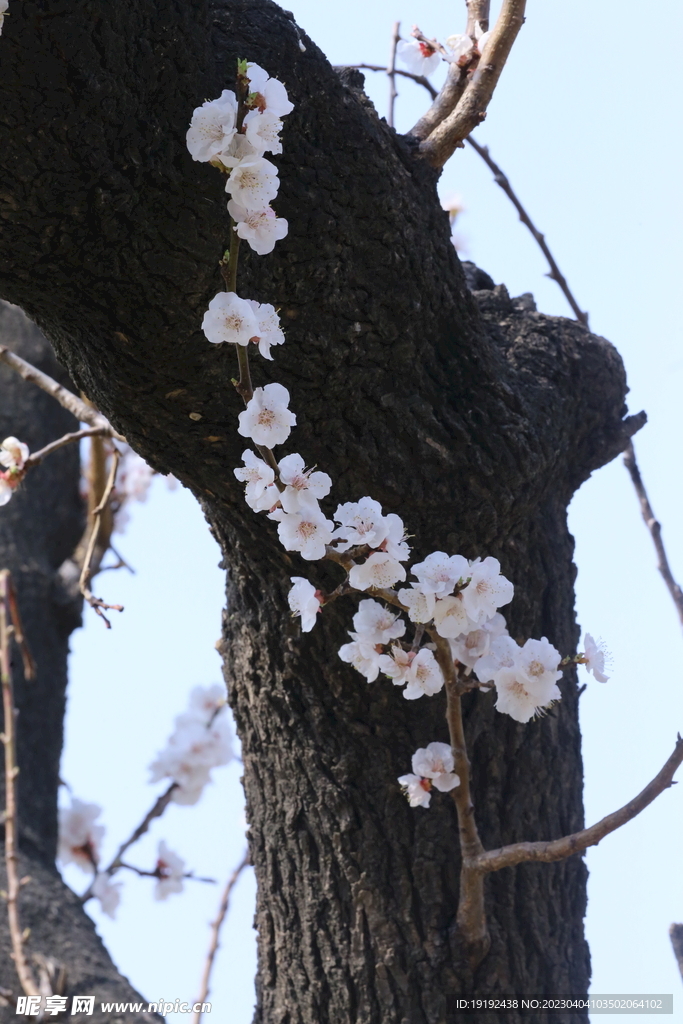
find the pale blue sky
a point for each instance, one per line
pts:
(585, 123)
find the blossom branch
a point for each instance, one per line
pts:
(155, 811)
(655, 528)
(11, 816)
(96, 602)
(470, 109)
(558, 849)
(75, 405)
(215, 935)
(471, 917)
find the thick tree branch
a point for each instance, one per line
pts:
(558, 849)
(655, 528)
(470, 109)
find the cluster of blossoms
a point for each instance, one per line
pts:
(200, 741)
(422, 57)
(450, 598)
(13, 456)
(222, 134)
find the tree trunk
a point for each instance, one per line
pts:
(474, 418)
(39, 530)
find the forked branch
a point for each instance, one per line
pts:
(470, 109)
(96, 602)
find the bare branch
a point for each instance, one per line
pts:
(11, 816)
(655, 528)
(391, 72)
(470, 109)
(676, 935)
(80, 409)
(76, 436)
(96, 602)
(215, 935)
(477, 11)
(555, 274)
(420, 79)
(558, 849)
(18, 632)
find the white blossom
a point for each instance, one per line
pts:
(261, 228)
(170, 870)
(379, 570)
(515, 697)
(397, 664)
(363, 657)
(269, 331)
(537, 667)
(419, 602)
(424, 676)
(79, 837)
(14, 453)
(419, 58)
(108, 893)
(450, 616)
(238, 150)
(487, 590)
(6, 491)
(271, 90)
(307, 532)
(267, 419)
(230, 318)
(253, 183)
(468, 648)
(201, 740)
(258, 477)
(435, 762)
(502, 654)
(416, 789)
(303, 488)
(212, 127)
(594, 658)
(262, 130)
(439, 572)
(362, 522)
(482, 41)
(460, 47)
(395, 541)
(303, 600)
(376, 624)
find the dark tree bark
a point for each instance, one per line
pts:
(474, 418)
(39, 530)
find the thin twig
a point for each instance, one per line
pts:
(555, 274)
(215, 935)
(76, 406)
(470, 109)
(18, 632)
(676, 936)
(156, 811)
(420, 79)
(96, 602)
(558, 849)
(76, 436)
(391, 72)
(157, 873)
(11, 816)
(655, 528)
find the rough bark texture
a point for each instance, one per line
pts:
(39, 529)
(475, 418)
